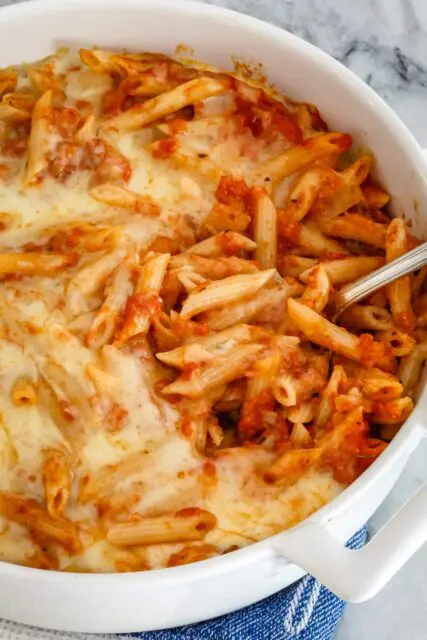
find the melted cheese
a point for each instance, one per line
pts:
(170, 475)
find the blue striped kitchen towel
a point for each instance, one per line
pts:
(304, 611)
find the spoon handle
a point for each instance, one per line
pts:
(367, 285)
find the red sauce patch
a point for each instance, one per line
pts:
(251, 422)
(230, 190)
(15, 148)
(163, 149)
(288, 229)
(209, 469)
(375, 353)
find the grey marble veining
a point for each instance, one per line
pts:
(382, 41)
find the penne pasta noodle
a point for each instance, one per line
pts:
(400, 343)
(145, 303)
(32, 264)
(56, 481)
(300, 437)
(184, 526)
(351, 424)
(213, 268)
(327, 402)
(375, 383)
(285, 389)
(265, 230)
(359, 170)
(411, 367)
(225, 243)
(102, 61)
(324, 333)
(296, 266)
(399, 291)
(352, 226)
(367, 318)
(392, 412)
(30, 514)
(299, 157)
(82, 324)
(305, 412)
(153, 109)
(193, 553)
(312, 242)
(89, 279)
(287, 469)
(104, 323)
(374, 196)
(40, 140)
(218, 371)
(306, 190)
(69, 394)
(228, 290)
(117, 196)
(316, 295)
(217, 344)
(268, 302)
(263, 374)
(8, 80)
(346, 270)
(87, 131)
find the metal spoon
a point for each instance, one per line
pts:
(367, 285)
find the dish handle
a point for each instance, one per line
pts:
(358, 575)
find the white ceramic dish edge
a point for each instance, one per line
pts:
(172, 597)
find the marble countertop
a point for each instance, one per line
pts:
(384, 42)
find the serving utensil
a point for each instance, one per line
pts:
(352, 293)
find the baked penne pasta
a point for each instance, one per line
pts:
(212, 268)
(218, 344)
(401, 343)
(145, 303)
(30, 514)
(299, 157)
(316, 295)
(143, 114)
(327, 402)
(171, 239)
(265, 230)
(56, 481)
(117, 196)
(223, 243)
(215, 373)
(90, 279)
(229, 290)
(40, 140)
(117, 292)
(367, 318)
(352, 226)
(322, 332)
(411, 367)
(399, 292)
(33, 264)
(185, 526)
(296, 266)
(269, 302)
(345, 270)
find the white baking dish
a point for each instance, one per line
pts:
(169, 597)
